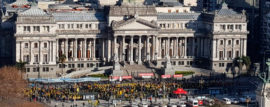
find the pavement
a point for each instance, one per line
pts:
(119, 103)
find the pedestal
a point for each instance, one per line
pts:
(116, 70)
(168, 69)
(263, 94)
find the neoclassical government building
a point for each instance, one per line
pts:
(137, 34)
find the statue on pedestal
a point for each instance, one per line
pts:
(116, 65)
(168, 62)
(168, 69)
(263, 90)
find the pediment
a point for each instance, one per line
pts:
(135, 25)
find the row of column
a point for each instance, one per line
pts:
(158, 47)
(183, 47)
(233, 47)
(175, 47)
(119, 50)
(80, 49)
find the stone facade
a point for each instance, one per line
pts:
(136, 34)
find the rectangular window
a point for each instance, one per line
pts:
(86, 25)
(45, 58)
(237, 42)
(81, 25)
(230, 27)
(26, 58)
(169, 11)
(34, 70)
(238, 27)
(27, 69)
(36, 58)
(45, 45)
(177, 11)
(229, 54)
(35, 45)
(229, 42)
(221, 42)
(221, 64)
(222, 27)
(26, 28)
(25, 45)
(221, 55)
(237, 54)
(46, 28)
(36, 28)
(61, 26)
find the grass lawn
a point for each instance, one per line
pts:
(184, 73)
(99, 75)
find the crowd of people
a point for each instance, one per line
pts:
(106, 91)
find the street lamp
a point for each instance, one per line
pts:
(201, 81)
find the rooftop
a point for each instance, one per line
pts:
(225, 11)
(78, 16)
(20, 2)
(132, 10)
(178, 16)
(33, 11)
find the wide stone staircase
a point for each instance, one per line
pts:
(135, 69)
(86, 72)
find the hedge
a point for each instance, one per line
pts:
(185, 73)
(99, 75)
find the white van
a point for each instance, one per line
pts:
(193, 103)
(226, 101)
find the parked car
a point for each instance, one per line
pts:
(235, 100)
(208, 102)
(226, 101)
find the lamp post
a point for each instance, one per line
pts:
(201, 81)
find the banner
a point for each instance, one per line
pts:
(126, 77)
(114, 78)
(146, 75)
(165, 76)
(178, 76)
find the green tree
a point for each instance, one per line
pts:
(62, 59)
(20, 66)
(238, 62)
(246, 62)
